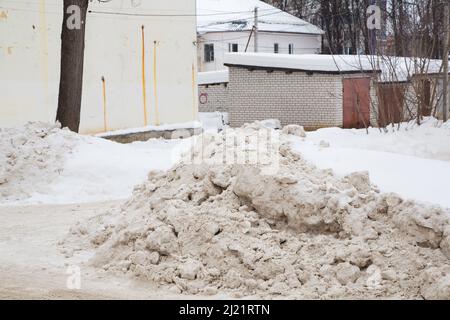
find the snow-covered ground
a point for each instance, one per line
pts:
(101, 170)
(413, 161)
(89, 169)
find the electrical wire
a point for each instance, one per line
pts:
(216, 12)
(165, 15)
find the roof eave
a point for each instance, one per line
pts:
(260, 30)
(287, 69)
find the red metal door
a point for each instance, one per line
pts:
(356, 103)
(390, 103)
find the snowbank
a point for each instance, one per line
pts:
(41, 163)
(216, 226)
(413, 161)
(100, 170)
(31, 158)
(213, 121)
(44, 164)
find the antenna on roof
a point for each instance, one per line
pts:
(255, 27)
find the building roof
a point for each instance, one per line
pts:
(305, 62)
(213, 77)
(393, 69)
(237, 15)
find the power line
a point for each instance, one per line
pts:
(169, 15)
(274, 11)
(217, 13)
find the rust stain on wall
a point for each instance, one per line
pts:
(144, 85)
(3, 15)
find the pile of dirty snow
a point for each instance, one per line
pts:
(31, 157)
(43, 164)
(222, 222)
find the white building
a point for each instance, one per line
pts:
(145, 50)
(226, 26)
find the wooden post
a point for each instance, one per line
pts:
(373, 36)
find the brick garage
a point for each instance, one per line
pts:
(299, 93)
(213, 98)
(213, 91)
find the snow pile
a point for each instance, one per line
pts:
(40, 163)
(102, 170)
(31, 157)
(213, 121)
(217, 226)
(271, 124)
(295, 130)
(411, 160)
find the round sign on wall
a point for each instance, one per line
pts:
(203, 98)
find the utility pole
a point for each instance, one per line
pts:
(256, 30)
(72, 62)
(445, 61)
(373, 35)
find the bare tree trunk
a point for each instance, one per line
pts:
(72, 61)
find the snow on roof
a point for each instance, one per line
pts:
(401, 69)
(237, 15)
(213, 77)
(304, 62)
(393, 69)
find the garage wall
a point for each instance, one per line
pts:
(293, 98)
(213, 98)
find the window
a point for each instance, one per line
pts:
(276, 48)
(209, 52)
(291, 48)
(233, 47)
